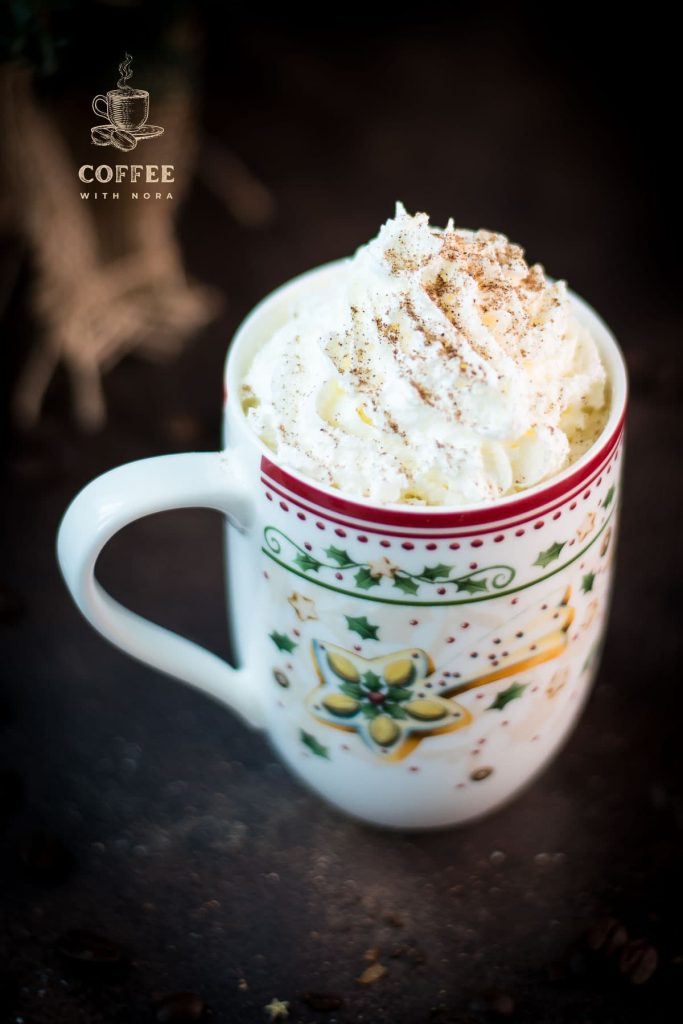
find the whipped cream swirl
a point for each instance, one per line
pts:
(437, 369)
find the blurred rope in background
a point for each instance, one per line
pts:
(107, 278)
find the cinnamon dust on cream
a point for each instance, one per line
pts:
(438, 368)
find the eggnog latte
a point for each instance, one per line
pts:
(438, 368)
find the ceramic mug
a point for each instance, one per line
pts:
(127, 109)
(414, 666)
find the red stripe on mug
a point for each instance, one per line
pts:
(502, 513)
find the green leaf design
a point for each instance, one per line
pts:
(311, 742)
(282, 642)
(307, 562)
(371, 681)
(398, 693)
(359, 624)
(471, 586)
(364, 579)
(587, 582)
(369, 711)
(352, 690)
(436, 572)
(608, 497)
(340, 557)
(405, 583)
(549, 555)
(395, 710)
(503, 698)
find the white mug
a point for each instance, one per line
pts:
(414, 666)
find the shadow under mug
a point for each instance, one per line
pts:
(127, 109)
(415, 666)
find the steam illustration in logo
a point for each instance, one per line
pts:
(126, 111)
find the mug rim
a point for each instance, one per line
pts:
(401, 514)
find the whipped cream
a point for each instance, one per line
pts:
(437, 369)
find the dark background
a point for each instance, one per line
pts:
(137, 809)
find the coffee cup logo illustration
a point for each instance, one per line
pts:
(125, 110)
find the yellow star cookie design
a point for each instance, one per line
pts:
(536, 635)
(303, 606)
(591, 613)
(558, 681)
(382, 567)
(586, 526)
(389, 701)
(398, 699)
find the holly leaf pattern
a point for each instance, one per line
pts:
(471, 586)
(359, 624)
(369, 711)
(364, 579)
(313, 745)
(436, 572)
(406, 584)
(587, 582)
(550, 554)
(352, 690)
(503, 698)
(395, 710)
(282, 642)
(608, 497)
(398, 693)
(307, 562)
(371, 681)
(340, 557)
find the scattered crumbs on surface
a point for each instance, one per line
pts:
(277, 1009)
(372, 974)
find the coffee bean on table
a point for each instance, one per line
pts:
(323, 1002)
(638, 961)
(181, 1008)
(45, 858)
(606, 936)
(93, 956)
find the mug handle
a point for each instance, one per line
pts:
(100, 113)
(197, 479)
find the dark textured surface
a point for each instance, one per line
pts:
(136, 809)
